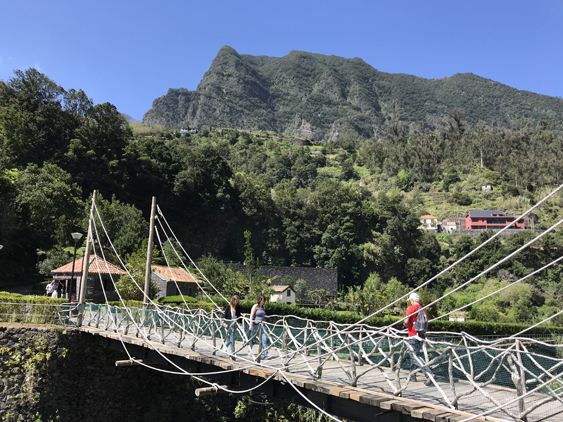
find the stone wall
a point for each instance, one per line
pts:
(55, 375)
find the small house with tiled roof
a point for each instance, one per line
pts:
(428, 222)
(283, 294)
(100, 272)
(173, 281)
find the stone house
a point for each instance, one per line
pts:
(101, 276)
(173, 281)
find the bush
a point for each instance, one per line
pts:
(177, 299)
(13, 308)
(461, 198)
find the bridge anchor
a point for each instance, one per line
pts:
(209, 391)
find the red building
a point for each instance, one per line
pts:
(491, 219)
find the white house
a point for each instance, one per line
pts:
(283, 294)
(451, 226)
(458, 316)
(428, 222)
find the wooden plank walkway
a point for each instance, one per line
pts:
(418, 401)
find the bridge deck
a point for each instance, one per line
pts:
(419, 401)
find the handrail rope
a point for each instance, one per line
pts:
(168, 265)
(157, 307)
(145, 337)
(483, 272)
(499, 290)
(451, 266)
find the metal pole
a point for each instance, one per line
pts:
(69, 287)
(149, 254)
(86, 262)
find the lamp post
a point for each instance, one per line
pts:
(76, 237)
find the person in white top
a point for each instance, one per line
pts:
(55, 293)
(49, 288)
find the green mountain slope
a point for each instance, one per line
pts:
(324, 97)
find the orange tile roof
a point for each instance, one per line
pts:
(95, 264)
(174, 273)
(427, 216)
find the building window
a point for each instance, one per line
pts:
(288, 293)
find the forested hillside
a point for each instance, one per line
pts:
(347, 204)
(326, 97)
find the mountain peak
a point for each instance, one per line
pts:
(335, 97)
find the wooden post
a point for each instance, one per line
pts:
(209, 391)
(522, 386)
(86, 263)
(148, 269)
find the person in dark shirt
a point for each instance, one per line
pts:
(232, 315)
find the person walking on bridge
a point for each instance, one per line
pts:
(416, 322)
(231, 317)
(257, 319)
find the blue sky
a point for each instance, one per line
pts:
(130, 52)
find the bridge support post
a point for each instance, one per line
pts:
(86, 264)
(360, 347)
(521, 389)
(148, 269)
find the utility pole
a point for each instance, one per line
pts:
(86, 261)
(149, 254)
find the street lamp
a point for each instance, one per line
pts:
(76, 237)
(1, 246)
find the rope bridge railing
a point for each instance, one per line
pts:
(519, 376)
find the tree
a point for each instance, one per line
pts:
(300, 289)
(49, 202)
(347, 171)
(367, 299)
(224, 278)
(123, 223)
(56, 257)
(403, 180)
(172, 251)
(133, 288)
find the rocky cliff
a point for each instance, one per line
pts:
(323, 97)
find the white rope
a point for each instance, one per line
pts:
(499, 290)
(182, 263)
(188, 256)
(357, 323)
(147, 340)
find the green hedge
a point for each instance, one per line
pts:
(193, 305)
(177, 300)
(13, 308)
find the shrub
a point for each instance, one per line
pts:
(13, 308)
(177, 299)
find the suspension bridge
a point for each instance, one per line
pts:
(354, 371)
